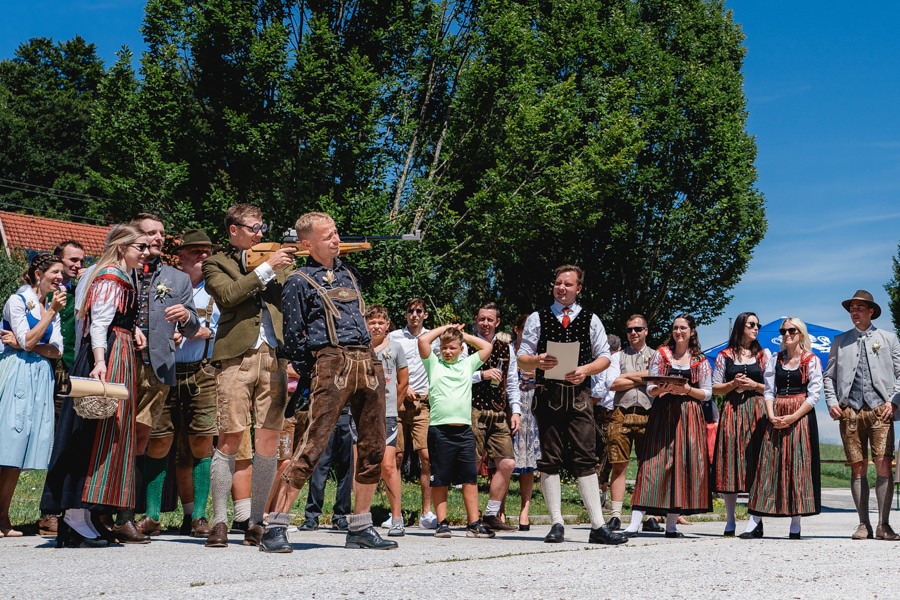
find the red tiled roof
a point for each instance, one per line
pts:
(41, 234)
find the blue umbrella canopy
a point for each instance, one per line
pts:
(769, 337)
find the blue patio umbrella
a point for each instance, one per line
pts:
(769, 337)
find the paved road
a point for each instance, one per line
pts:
(699, 566)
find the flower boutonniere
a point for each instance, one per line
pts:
(163, 291)
(388, 355)
(876, 347)
(329, 277)
(29, 305)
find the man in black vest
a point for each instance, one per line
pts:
(494, 387)
(563, 407)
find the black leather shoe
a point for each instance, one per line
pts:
(614, 524)
(753, 535)
(674, 534)
(240, 526)
(309, 525)
(630, 534)
(557, 534)
(253, 535)
(368, 538)
(794, 536)
(524, 526)
(275, 541)
(652, 525)
(603, 535)
(728, 533)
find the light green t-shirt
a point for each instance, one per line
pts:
(450, 389)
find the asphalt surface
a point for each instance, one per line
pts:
(826, 563)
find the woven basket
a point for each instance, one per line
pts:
(95, 407)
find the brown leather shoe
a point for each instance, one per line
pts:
(128, 533)
(148, 526)
(218, 537)
(47, 525)
(863, 532)
(200, 528)
(493, 522)
(884, 532)
(253, 535)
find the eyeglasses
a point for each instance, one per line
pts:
(789, 331)
(254, 228)
(416, 311)
(140, 247)
(635, 329)
(752, 325)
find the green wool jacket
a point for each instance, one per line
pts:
(239, 296)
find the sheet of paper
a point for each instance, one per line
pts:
(566, 354)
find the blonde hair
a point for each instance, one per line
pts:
(805, 343)
(118, 236)
(451, 335)
(306, 222)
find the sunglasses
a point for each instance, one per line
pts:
(254, 228)
(635, 329)
(752, 325)
(789, 331)
(416, 311)
(140, 247)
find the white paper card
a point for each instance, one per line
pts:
(566, 354)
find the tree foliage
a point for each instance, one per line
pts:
(516, 135)
(893, 290)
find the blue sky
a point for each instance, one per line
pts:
(822, 81)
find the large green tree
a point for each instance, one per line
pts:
(893, 290)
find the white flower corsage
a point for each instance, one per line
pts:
(876, 347)
(163, 290)
(329, 277)
(29, 305)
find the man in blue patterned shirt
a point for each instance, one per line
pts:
(325, 335)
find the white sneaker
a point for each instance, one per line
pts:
(387, 523)
(428, 521)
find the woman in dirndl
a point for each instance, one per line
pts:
(739, 377)
(673, 476)
(91, 472)
(526, 444)
(787, 480)
(32, 337)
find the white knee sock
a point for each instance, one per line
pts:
(589, 487)
(795, 524)
(617, 509)
(671, 522)
(493, 507)
(752, 523)
(551, 488)
(636, 517)
(242, 509)
(79, 519)
(730, 503)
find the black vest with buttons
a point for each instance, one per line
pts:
(493, 397)
(579, 330)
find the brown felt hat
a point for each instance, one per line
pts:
(863, 296)
(195, 237)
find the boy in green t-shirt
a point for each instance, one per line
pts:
(451, 443)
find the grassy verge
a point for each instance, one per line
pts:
(25, 506)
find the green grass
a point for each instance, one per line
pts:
(25, 506)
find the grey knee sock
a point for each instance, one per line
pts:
(221, 471)
(883, 491)
(859, 489)
(263, 477)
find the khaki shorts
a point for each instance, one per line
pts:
(863, 428)
(190, 406)
(151, 393)
(492, 432)
(626, 427)
(245, 450)
(253, 383)
(414, 419)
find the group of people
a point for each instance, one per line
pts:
(255, 372)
